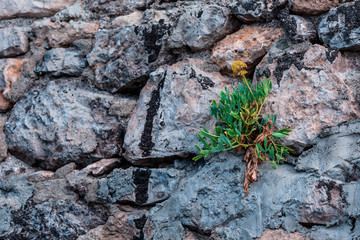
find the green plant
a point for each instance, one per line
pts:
(241, 126)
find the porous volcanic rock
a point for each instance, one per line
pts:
(113, 58)
(340, 28)
(30, 8)
(172, 107)
(60, 61)
(199, 28)
(138, 186)
(309, 91)
(255, 10)
(312, 7)
(14, 41)
(249, 45)
(64, 122)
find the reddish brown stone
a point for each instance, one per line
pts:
(313, 7)
(249, 45)
(279, 234)
(41, 176)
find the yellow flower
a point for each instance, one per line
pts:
(238, 68)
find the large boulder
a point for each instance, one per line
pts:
(172, 107)
(64, 122)
(199, 28)
(309, 90)
(29, 8)
(123, 58)
(249, 45)
(14, 41)
(340, 28)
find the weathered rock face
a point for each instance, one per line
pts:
(28, 8)
(14, 41)
(67, 124)
(155, 131)
(309, 90)
(116, 66)
(62, 34)
(340, 28)
(10, 72)
(200, 28)
(59, 61)
(249, 45)
(3, 146)
(253, 10)
(313, 7)
(298, 28)
(138, 186)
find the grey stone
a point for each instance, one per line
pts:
(61, 62)
(171, 109)
(56, 219)
(29, 8)
(254, 10)
(116, 66)
(200, 28)
(138, 186)
(84, 184)
(340, 27)
(64, 170)
(14, 41)
(3, 145)
(13, 166)
(64, 122)
(334, 155)
(5, 222)
(15, 191)
(352, 191)
(41, 176)
(53, 189)
(298, 28)
(333, 233)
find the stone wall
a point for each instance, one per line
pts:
(101, 102)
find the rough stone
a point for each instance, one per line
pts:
(3, 145)
(200, 28)
(10, 72)
(103, 166)
(61, 62)
(334, 156)
(84, 184)
(64, 122)
(340, 28)
(64, 170)
(138, 186)
(29, 8)
(254, 10)
(52, 189)
(123, 225)
(332, 233)
(309, 91)
(13, 166)
(249, 45)
(14, 41)
(131, 19)
(312, 7)
(55, 219)
(157, 131)
(41, 176)
(298, 28)
(280, 234)
(116, 66)
(62, 34)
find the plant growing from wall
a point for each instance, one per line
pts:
(242, 127)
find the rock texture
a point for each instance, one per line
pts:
(14, 41)
(310, 79)
(249, 45)
(154, 131)
(313, 7)
(69, 122)
(340, 27)
(198, 29)
(28, 8)
(3, 145)
(298, 28)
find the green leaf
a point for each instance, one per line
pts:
(279, 134)
(206, 145)
(265, 143)
(197, 157)
(274, 165)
